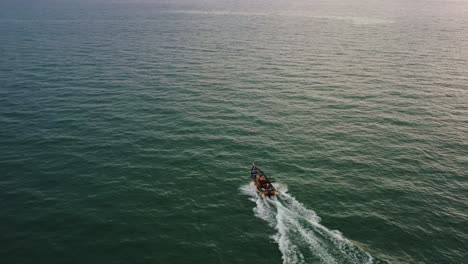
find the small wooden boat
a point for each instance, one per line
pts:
(262, 183)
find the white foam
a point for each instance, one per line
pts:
(300, 236)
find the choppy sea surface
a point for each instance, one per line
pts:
(127, 131)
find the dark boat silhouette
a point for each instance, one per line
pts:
(262, 183)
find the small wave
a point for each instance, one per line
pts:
(357, 20)
(300, 236)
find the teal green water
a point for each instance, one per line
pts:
(127, 131)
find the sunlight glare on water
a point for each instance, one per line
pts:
(127, 127)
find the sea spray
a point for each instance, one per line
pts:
(299, 235)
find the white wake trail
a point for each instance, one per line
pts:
(300, 236)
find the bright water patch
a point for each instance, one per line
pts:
(300, 236)
(124, 125)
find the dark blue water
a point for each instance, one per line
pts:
(127, 131)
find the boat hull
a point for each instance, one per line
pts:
(263, 185)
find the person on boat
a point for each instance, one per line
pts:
(267, 186)
(261, 180)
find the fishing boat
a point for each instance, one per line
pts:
(262, 183)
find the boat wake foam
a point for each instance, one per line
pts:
(300, 236)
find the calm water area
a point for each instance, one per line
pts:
(128, 128)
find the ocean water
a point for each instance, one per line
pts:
(128, 127)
